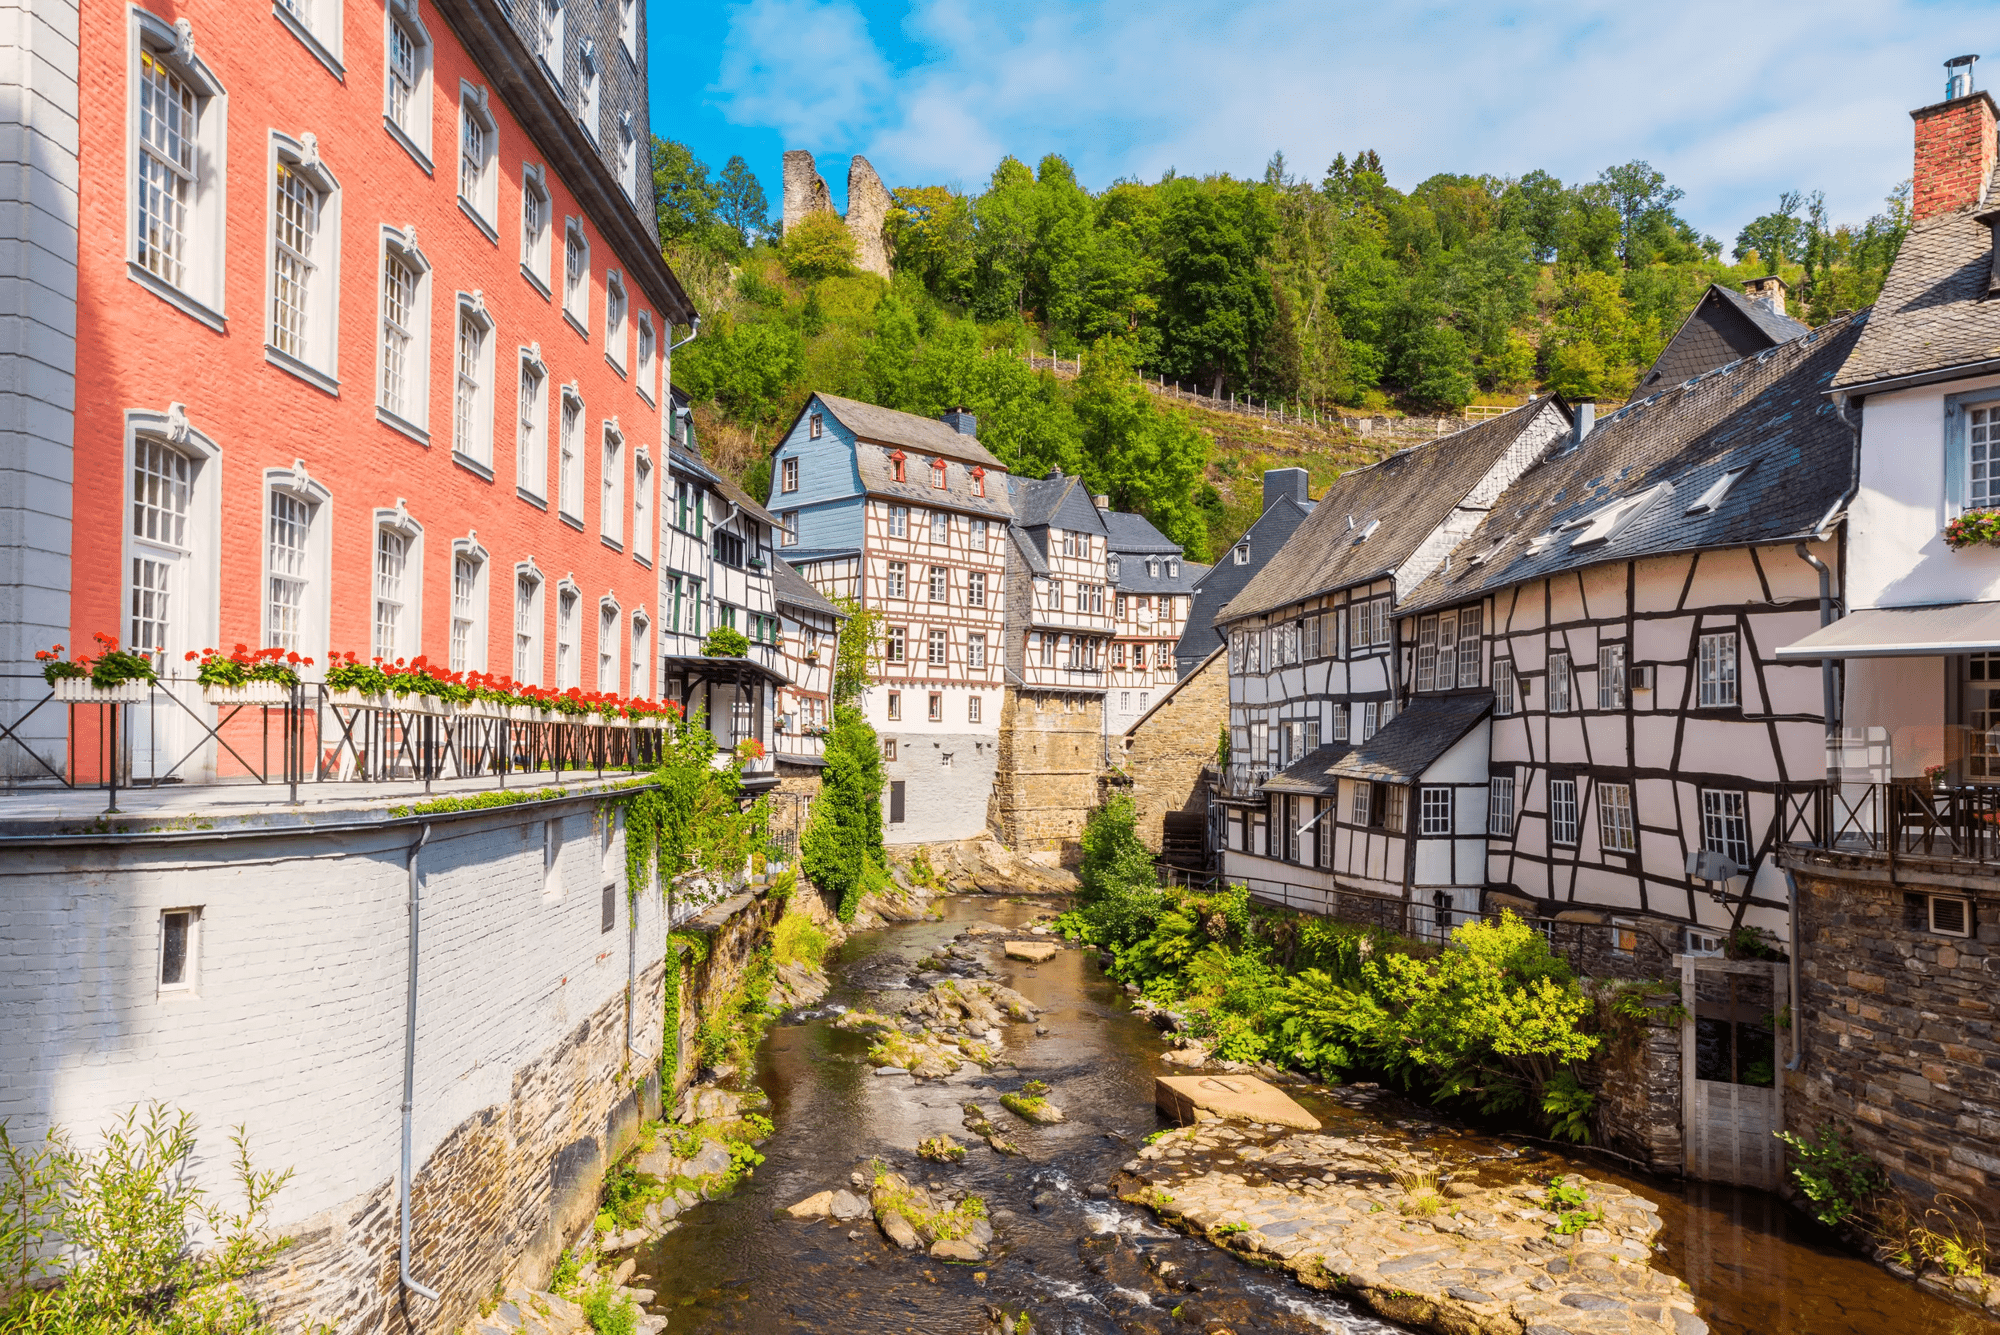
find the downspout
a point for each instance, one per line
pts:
(410, 1078)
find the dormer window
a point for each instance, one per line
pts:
(815, 425)
(1152, 569)
(1173, 567)
(1241, 554)
(978, 482)
(1711, 500)
(1112, 567)
(938, 474)
(1600, 526)
(896, 461)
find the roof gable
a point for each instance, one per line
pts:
(888, 426)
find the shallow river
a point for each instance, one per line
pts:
(1081, 1263)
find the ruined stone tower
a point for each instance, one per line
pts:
(868, 205)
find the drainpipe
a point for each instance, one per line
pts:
(694, 332)
(410, 1078)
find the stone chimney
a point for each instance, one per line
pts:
(961, 421)
(1586, 419)
(1101, 502)
(1955, 146)
(1280, 483)
(1770, 289)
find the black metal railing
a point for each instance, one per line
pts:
(1900, 817)
(174, 731)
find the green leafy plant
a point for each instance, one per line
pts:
(1974, 528)
(568, 1267)
(1571, 1204)
(1829, 1172)
(608, 1311)
(109, 666)
(244, 664)
(1230, 1229)
(725, 642)
(1568, 1106)
(842, 848)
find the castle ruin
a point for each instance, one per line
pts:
(868, 205)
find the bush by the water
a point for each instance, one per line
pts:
(842, 849)
(1492, 1021)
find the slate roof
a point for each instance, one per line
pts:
(1056, 502)
(1132, 576)
(1723, 326)
(1030, 554)
(1312, 775)
(1780, 327)
(887, 426)
(878, 480)
(1407, 744)
(1769, 413)
(1135, 533)
(1932, 315)
(1221, 582)
(1411, 492)
(790, 589)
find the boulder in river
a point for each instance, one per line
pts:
(846, 1205)
(816, 1206)
(1034, 952)
(899, 1230)
(957, 1249)
(1240, 1097)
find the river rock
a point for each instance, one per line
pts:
(1034, 952)
(816, 1206)
(898, 1230)
(957, 1249)
(845, 1205)
(1241, 1097)
(712, 1157)
(1188, 1056)
(707, 1104)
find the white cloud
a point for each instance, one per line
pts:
(1734, 105)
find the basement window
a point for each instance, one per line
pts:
(179, 940)
(1940, 915)
(608, 918)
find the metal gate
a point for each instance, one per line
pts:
(1733, 1096)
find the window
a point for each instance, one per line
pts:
(535, 214)
(1562, 811)
(1048, 647)
(1500, 806)
(898, 581)
(938, 646)
(569, 666)
(1173, 567)
(815, 425)
(1559, 683)
(1725, 826)
(607, 916)
(289, 564)
(642, 656)
(978, 482)
(1427, 653)
(466, 645)
(940, 584)
(162, 487)
(531, 461)
(938, 474)
(614, 319)
(899, 521)
(642, 495)
(788, 475)
(1982, 452)
(972, 709)
(404, 379)
(576, 276)
(1340, 722)
(788, 536)
(975, 650)
(1468, 646)
(586, 98)
(1363, 801)
(1434, 810)
(1716, 671)
(176, 128)
(316, 23)
(178, 956)
(392, 555)
(895, 646)
(895, 707)
(478, 158)
(1624, 937)
(305, 248)
(646, 355)
(729, 548)
(628, 26)
(937, 706)
(889, 744)
(607, 646)
(472, 397)
(977, 540)
(628, 157)
(1371, 719)
(1503, 686)
(527, 627)
(407, 93)
(549, 25)
(975, 589)
(1610, 676)
(1391, 806)
(569, 470)
(1240, 554)
(1616, 832)
(611, 514)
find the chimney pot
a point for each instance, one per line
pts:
(1955, 151)
(961, 421)
(1101, 502)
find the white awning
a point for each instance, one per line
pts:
(1903, 632)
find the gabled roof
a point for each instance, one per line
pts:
(1126, 532)
(1312, 774)
(1409, 743)
(887, 426)
(1056, 502)
(790, 589)
(1215, 586)
(1031, 555)
(1723, 326)
(1175, 689)
(740, 498)
(1131, 576)
(1373, 519)
(1933, 316)
(1627, 490)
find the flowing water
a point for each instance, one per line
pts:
(1081, 1262)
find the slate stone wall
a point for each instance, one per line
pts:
(1163, 754)
(1051, 755)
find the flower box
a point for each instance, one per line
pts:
(415, 703)
(347, 699)
(80, 691)
(249, 693)
(527, 714)
(479, 709)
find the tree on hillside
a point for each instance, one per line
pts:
(684, 199)
(1775, 238)
(818, 246)
(740, 202)
(1217, 306)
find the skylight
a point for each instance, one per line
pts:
(1711, 500)
(1367, 529)
(1603, 524)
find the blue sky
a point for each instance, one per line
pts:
(1733, 101)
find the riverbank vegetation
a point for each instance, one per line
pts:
(1491, 1023)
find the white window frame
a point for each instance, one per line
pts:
(473, 617)
(899, 521)
(788, 531)
(628, 157)
(975, 588)
(531, 426)
(642, 505)
(569, 454)
(590, 84)
(1963, 472)
(569, 641)
(476, 169)
(1561, 683)
(411, 414)
(1562, 812)
(314, 605)
(1505, 698)
(413, 128)
(628, 28)
(609, 616)
(576, 290)
(1471, 642)
(316, 358)
(317, 24)
(643, 380)
(530, 622)
(1434, 807)
(641, 658)
(198, 288)
(788, 475)
(616, 314)
(1500, 806)
(1725, 825)
(1617, 828)
(191, 954)
(409, 640)
(549, 36)
(192, 558)
(536, 244)
(975, 652)
(472, 386)
(611, 483)
(1611, 677)
(1718, 671)
(938, 647)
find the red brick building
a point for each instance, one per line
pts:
(371, 332)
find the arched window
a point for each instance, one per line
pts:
(295, 561)
(468, 605)
(478, 157)
(528, 623)
(403, 377)
(171, 544)
(304, 266)
(642, 657)
(472, 393)
(569, 661)
(607, 644)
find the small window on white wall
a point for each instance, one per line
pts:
(303, 261)
(614, 318)
(403, 380)
(478, 158)
(536, 215)
(177, 114)
(180, 938)
(531, 425)
(472, 383)
(576, 275)
(406, 94)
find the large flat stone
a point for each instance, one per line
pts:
(1034, 952)
(1242, 1097)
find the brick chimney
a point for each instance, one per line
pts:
(1770, 289)
(1955, 146)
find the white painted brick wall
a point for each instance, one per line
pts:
(296, 1025)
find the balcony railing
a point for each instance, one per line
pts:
(1915, 817)
(174, 731)
(1244, 781)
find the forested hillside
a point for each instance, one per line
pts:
(1341, 292)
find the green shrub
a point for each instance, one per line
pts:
(1114, 857)
(609, 1313)
(798, 940)
(1838, 1179)
(842, 848)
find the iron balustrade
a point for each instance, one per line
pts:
(1898, 817)
(176, 731)
(1241, 781)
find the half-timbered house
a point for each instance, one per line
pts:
(909, 516)
(1286, 504)
(1333, 798)
(1152, 588)
(808, 635)
(1618, 610)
